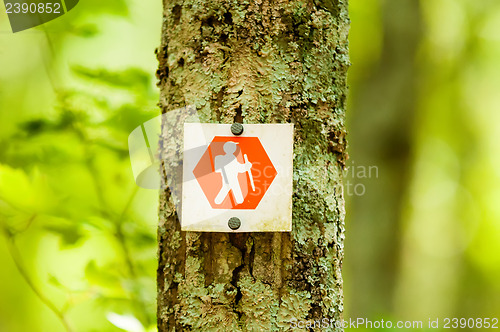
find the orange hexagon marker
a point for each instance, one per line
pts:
(235, 172)
(236, 182)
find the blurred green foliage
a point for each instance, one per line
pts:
(78, 245)
(424, 241)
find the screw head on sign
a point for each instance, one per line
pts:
(234, 223)
(237, 129)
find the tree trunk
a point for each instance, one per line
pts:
(375, 217)
(259, 62)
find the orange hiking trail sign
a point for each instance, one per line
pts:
(237, 183)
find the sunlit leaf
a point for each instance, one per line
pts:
(112, 7)
(125, 322)
(30, 194)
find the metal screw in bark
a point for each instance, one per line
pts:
(234, 223)
(237, 129)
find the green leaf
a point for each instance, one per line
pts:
(130, 79)
(55, 282)
(107, 279)
(70, 233)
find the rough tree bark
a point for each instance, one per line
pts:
(259, 62)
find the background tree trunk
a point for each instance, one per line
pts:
(383, 106)
(259, 62)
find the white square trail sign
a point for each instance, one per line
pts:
(237, 183)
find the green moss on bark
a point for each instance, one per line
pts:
(259, 62)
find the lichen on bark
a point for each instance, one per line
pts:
(259, 62)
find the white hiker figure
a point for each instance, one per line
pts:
(230, 167)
